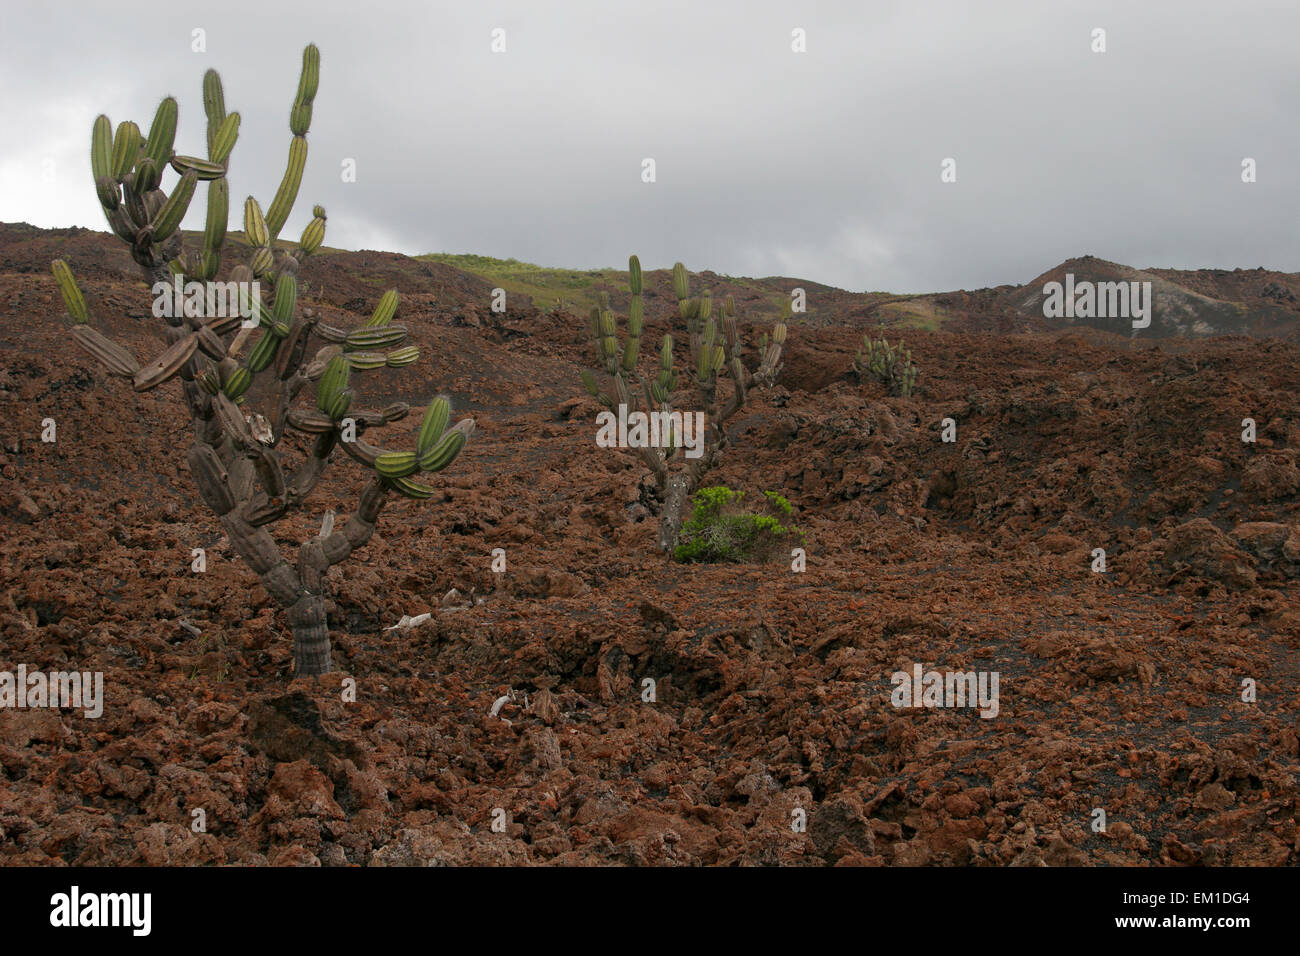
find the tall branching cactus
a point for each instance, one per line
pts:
(715, 352)
(237, 459)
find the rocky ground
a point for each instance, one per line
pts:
(1120, 691)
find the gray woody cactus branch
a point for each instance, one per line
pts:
(237, 459)
(715, 352)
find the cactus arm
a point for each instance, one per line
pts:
(307, 613)
(211, 478)
(340, 544)
(655, 460)
(73, 300)
(112, 356)
(256, 546)
(280, 414)
(305, 479)
(309, 474)
(162, 133)
(737, 400)
(168, 363)
(618, 362)
(313, 235)
(290, 372)
(199, 402)
(214, 231)
(269, 473)
(287, 194)
(234, 428)
(362, 452)
(117, 359)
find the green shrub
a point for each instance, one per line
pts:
(720, 530)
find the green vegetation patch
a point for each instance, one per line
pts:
(915, 314)
(721, 530)
(549, 288)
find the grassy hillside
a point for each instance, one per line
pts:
(578, 289)
(548, 288)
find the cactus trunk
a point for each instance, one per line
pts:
(311, 636)
(676, 494)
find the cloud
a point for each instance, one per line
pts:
(823, 164)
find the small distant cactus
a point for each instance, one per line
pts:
(236, 460)
(890, 365)
(715, 352)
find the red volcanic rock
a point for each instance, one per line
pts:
(770, 737)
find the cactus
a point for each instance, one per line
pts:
(238, 469)
(714, 352)
(162, 133)
(890, 365)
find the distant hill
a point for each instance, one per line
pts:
(1187, 304)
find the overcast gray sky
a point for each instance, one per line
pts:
(823, 165)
